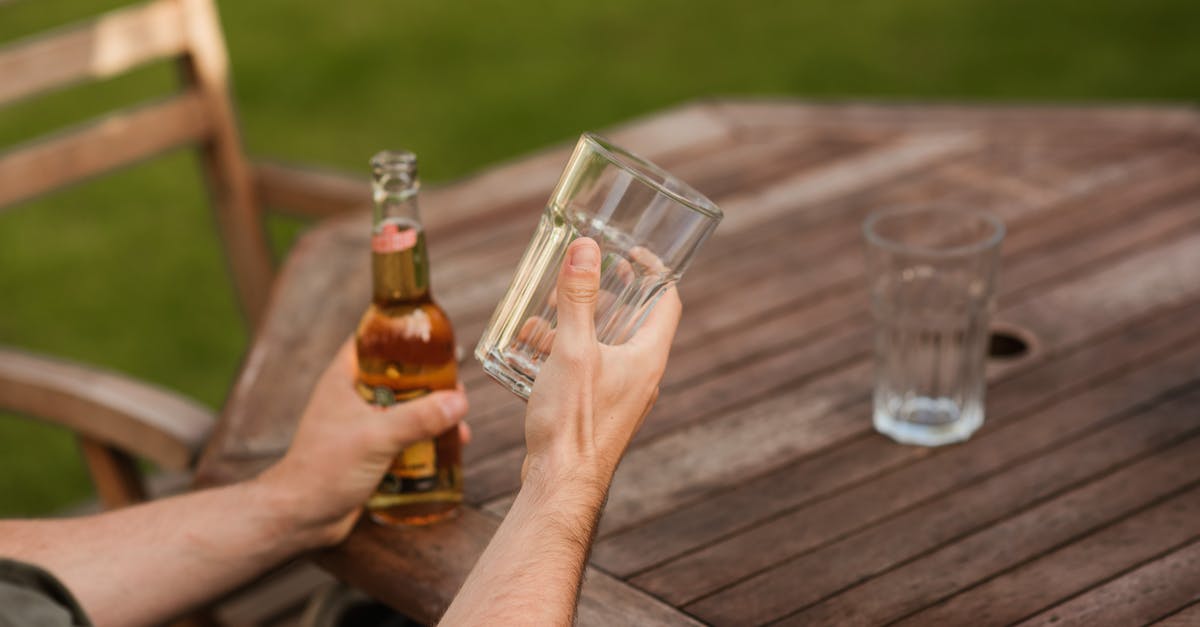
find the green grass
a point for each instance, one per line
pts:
(126, 272)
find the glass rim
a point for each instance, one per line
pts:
(639, 166)
(992, 239)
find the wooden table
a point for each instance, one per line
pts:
(757, 490)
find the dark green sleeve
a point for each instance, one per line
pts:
(32, 597)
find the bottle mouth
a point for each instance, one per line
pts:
(394, 173)
(393, 161)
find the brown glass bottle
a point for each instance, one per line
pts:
(406, 349)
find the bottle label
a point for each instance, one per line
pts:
(416, 461)
(415, 468)
(390, 239)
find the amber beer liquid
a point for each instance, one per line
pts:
(406, 349)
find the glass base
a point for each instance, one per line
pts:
(510, 372)
(929, 422)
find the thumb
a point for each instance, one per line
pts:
(425, 417)
(578, 287)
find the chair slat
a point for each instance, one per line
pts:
(110, 142)
(106, 46)
(105, 408)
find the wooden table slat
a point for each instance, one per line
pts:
(1180, 212)
(1144, 595)
(1124, 360)
(1024, 591)
(1188, 616)
(757, 490)
(1011, 541)
(776, 332)
(652, 475)
(915, 500)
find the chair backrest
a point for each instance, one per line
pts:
(199, 115)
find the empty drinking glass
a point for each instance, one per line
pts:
(648, 224)
(932, 274)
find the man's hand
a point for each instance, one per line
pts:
(343, 446)
(217, 539)
(589, 399)
(587, 402)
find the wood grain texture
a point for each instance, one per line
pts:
(145, 420)
(306, 326)
(418, 570)
(201, 115)
(97, 147)
(1112, 361)
(309, 192)
(668, 471)
(909, 498)
(1141, 596)
(757, 490)
(1074, 568)
(109, 45)
(1038, 529)
(230, 179)
(1186, 617)
(807, 316)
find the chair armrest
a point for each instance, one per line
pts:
(141, 419)
(309, 192)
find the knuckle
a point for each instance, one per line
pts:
(430, 420)
(580, 293)
(416, 420)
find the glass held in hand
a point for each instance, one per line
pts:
(649, 225)
(932, 276)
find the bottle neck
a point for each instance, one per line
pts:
(399, 261)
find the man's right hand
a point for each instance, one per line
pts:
(589, 399)
(587, 402)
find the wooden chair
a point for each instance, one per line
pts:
(117, 419)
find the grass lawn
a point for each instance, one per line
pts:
(126, 272)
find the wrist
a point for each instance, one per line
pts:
(287, 515)
(565, 481)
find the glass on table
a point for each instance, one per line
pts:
(649, 225)
(932, 275)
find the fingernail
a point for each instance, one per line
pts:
(453, 405)
(585, 257)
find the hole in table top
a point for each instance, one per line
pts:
(1007, 344)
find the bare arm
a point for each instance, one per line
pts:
(530, 572)
(143, 565)
(587, 403)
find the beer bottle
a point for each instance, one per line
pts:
(406, 348)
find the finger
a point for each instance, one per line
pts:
(623, 270)
(648, 261)
(425, 417)
(345, 361)
(578, 287)
(339, 376)
(464, 433)
(658, 330)
(535, 334)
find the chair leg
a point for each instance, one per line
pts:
(119, 484)
(115, 474)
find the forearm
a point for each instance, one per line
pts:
(143, 565)
(530, 572)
